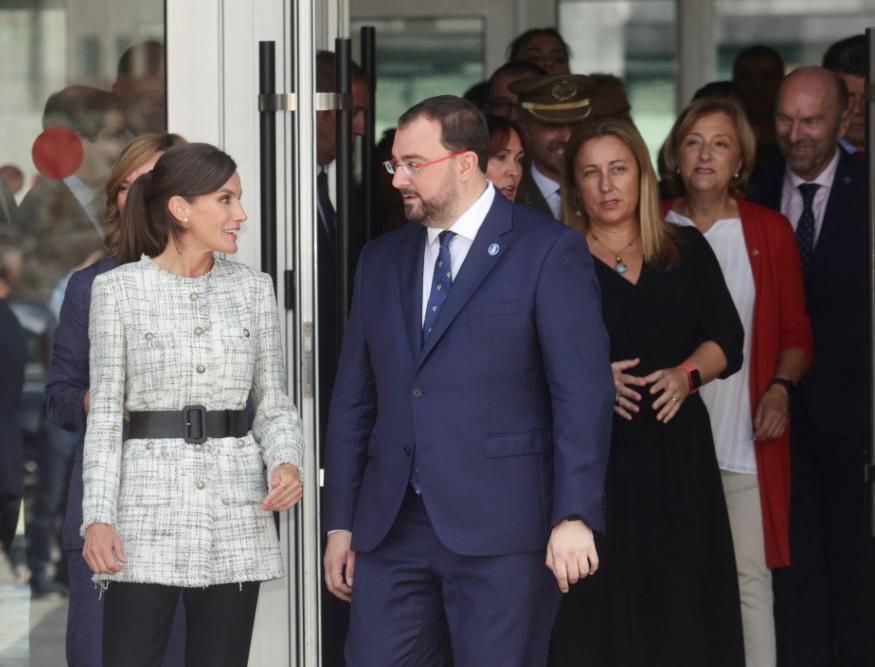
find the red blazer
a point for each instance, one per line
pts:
(780, 322)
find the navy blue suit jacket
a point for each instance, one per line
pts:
(834, 393)
(68, 382)
(508, 404)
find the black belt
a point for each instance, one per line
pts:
(194, 424)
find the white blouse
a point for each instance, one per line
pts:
(728, 401)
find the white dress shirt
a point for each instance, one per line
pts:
(466, 228)
(791, 197)
(728, 401)
(550, 191)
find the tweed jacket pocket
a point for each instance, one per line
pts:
(149, 474)
(148, 357)
(241, 474)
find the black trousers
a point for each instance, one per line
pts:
(137, 620)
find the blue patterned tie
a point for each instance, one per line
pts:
(440, 287)
(440, 284)
(805, 226)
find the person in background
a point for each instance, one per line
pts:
(140, 85)
(68, 399)
(501, 100)
(711, 151)
(506, 155)
(757, 73)
(182, 505)
(13, 355)
(849, 59)
(609, 96)
(667, 593)
(822, 612)
(550, 108)
(544, 47)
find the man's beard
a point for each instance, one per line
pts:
(434, 212)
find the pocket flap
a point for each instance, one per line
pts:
(517, 444)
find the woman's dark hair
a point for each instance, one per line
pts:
(521, 41)
(499, 133)
(187, 171)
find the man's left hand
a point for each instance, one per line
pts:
(571, 553)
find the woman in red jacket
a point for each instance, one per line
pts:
(710, 151)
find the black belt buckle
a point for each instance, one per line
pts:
(194, 424)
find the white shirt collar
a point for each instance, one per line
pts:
(83, 194)
(824, 179)
(470, 221)
(545, 184)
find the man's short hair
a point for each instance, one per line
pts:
(848, 56)
(81, 109)
(141, 60)
(757, 51)
(326, 72)
(463, 126)
(516, 68)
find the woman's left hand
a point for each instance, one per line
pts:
(673, 388)
(285, 489)
(771, 417)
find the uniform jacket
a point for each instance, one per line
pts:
(508, 404)
(529, 194)
(188, 515)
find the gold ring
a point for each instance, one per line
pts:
(674, 398)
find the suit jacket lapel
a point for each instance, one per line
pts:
(477, 265)
(410, 281)
(835, 215)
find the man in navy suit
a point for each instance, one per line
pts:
(470, 422)
(819, 600)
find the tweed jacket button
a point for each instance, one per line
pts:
(200, 484)
(198, 331)
(201, 368)
(198, 447)
(194, 296)
(241, 442)
(149, 445)
(246, 333)
(149, 335)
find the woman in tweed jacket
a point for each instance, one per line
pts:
(163, 516)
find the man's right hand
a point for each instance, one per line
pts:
(339, 564)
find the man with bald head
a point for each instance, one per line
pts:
(819, 600)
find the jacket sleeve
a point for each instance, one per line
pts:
(276, 426)
(101, 467)
(576, 355)
(68, 375)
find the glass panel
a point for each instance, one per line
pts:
(418, 58)
(634, 40)
(800, 30)
(69, 104)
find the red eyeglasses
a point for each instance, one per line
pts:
(411, 169)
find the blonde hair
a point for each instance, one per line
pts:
(657, 236)
(695, 111)
(135, 155)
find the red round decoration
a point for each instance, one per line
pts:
(57, 153)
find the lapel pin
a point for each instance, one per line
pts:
(493, 249)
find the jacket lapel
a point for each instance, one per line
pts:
(410, 282)
(477, 265)
(835, 215)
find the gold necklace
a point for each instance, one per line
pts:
(620, 266)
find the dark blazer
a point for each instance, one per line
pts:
(835, 390)
(56, 236)
(13, 356)
(68, 382)
(508, 404)
(529, 194)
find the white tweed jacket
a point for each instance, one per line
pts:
(188, 515)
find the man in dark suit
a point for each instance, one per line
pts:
(820, 616)
(550, 107)
(470, 422)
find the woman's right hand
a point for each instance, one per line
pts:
(103, 549)
(626, 403)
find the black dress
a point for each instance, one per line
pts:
(666, 594)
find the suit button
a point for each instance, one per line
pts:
(407, 451)
(200, 484)
(201, 368)
(417, 393)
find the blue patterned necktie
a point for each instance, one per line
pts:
(440, 287)
(440, 283)
(805, 226)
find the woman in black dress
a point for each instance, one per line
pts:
(666, 594)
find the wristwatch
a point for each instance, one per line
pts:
(789, 385)
(693, 377)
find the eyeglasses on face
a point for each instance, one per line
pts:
(411, 169)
